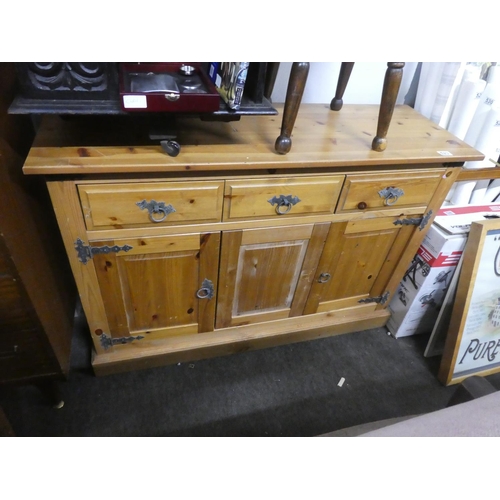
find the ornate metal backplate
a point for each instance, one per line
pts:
(206, 291)
(391, 195)
(284, 203)
(156, 207)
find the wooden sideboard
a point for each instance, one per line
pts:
(230, 246)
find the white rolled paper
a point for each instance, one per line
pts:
(447, 93)
(463, 192)
(430, 77)
(490, 94)
(493, 191)
(477, 197)
(466, 104)
(488, 141)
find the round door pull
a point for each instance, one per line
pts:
(362, 205)
(324, 277)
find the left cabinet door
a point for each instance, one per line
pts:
(158, 287)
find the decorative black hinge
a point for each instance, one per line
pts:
(420, 222)
(379, 300)
(108, 342)
(86, 252)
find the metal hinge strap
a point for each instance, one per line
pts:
(107, 342)
(420, 222)
(379, 300)
(86, 252)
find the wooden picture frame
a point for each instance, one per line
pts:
(472, 345)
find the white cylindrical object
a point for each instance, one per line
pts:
(490, 94)
(488, 141)
(479, 192)
(447, 92)
(430, 77)
(463, 192)
(466, 104)
(493, 191)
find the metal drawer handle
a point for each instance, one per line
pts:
(155, 207)
(391, 195)
(172, 97)
(284, 203)
(206, 291)
(324, 277)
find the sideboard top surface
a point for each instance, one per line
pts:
(321, 138)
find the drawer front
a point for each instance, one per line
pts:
(282, 197)
(365, 192)
(107, 206)
(22, 355)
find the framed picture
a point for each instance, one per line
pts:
(472, 345)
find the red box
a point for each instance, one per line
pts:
(162, 87)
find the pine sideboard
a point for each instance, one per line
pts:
(229, 246)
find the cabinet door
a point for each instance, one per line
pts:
(266, 273)
(160, 286)
(357, 262)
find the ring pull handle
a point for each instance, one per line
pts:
(284, 203)
(158, 211)
(391, 195)
(206, 291)
(324, 277)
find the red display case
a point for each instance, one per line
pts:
(166, 87)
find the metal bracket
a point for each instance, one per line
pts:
(379, 300)
(421, 222)
(107, 342)
(86, 252)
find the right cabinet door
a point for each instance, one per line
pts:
(356, 264)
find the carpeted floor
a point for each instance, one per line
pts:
(291, 390)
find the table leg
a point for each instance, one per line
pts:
(345, 73)
(392, 82)
(295, 90)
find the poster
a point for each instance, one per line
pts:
(473, 342)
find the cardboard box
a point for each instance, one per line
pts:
(420, 294)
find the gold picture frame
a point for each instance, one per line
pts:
(472, 344)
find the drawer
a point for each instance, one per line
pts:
(22, 355)
(281, 197)
(150, 204)
(367, 192)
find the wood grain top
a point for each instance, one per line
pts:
(321, 138)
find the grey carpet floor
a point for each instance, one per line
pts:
(290, 390)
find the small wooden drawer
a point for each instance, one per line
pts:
(281, 197)
(108, 206)
(368, 192)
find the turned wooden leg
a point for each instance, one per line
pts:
(295, 90)
(345, 73)
(271, 74)
(392, 82)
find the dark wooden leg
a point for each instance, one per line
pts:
(5, 427)
(392, 82)
(345, 73)
(51, 392)
(295, 90)
(271, 73)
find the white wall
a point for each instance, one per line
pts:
(364, 87)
